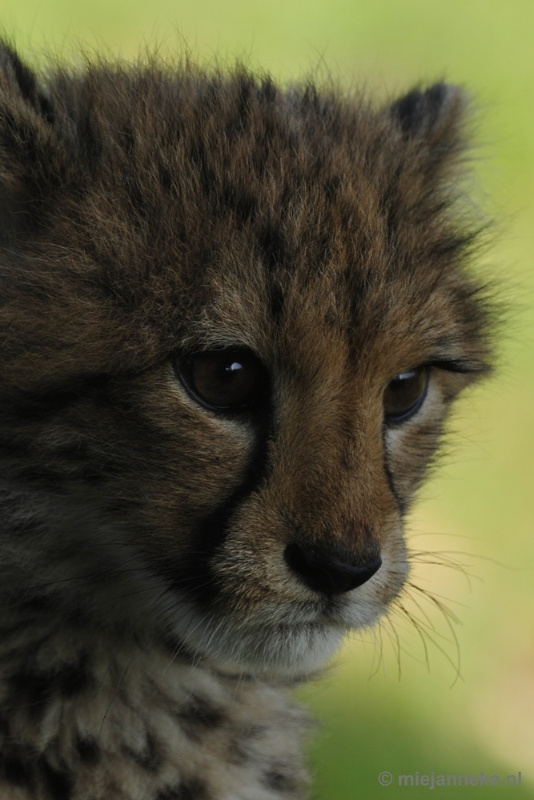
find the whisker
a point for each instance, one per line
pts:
(125, 672)
(430, 633)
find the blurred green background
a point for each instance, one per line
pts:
(422, 697)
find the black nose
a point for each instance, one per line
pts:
(326, 570)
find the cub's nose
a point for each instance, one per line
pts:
(326, 570)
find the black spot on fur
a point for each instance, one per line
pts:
(278, 781)
(165, 178)
(137, 198)
(199, 157)
(17, 772)
(88, 139)
(32, 689)
(88, 750)
(273, 246)
(73, 679)
(240, 200)
(126, 139)
(239, 750)
(47, 109)
(276, 302)
(198, 717)
(245, 88)
(59, 784)
(331, 187)
(192, 789)
(17, 764)
(36, 606)
(37, 406)
(392, 206)
(18, 137)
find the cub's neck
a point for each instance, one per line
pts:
(87, 714)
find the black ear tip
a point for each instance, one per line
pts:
(7, 53)
(20, 81)
(418, 111)
(19, 72)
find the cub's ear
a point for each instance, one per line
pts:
(18, 83)
(432, 125)
(419, 114)
(31, 152)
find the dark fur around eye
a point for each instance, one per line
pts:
(224, 380)
(405, 395)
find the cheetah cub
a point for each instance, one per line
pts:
(233, 319)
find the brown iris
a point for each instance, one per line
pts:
(405, 394)
(227, 380)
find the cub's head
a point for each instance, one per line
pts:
(233, 320)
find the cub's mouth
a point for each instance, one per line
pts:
(293, 635)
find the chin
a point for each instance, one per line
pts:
(283, 651)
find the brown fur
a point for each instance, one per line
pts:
(153, 211)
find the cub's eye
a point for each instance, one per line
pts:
(228, 380)
(405, 394)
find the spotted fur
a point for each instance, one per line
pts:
(151, 618)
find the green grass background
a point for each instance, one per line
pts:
(394, 702)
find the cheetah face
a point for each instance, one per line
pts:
(233, 321)
(310, 542)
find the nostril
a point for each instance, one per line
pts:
(323, 571)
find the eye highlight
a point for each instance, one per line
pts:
(228, 380)
(405, 394)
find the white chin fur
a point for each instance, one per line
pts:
(283, 651)
(285, 648)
